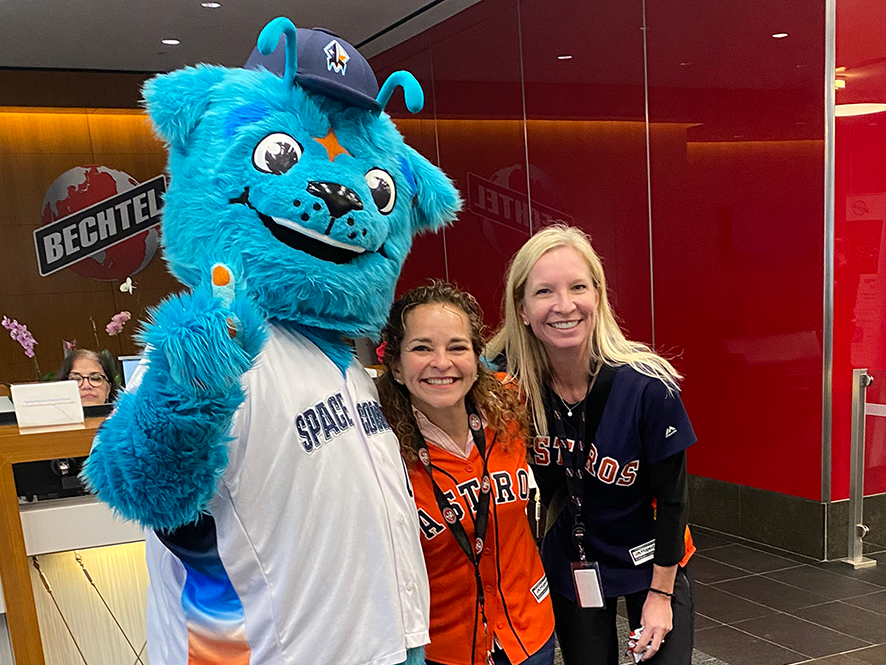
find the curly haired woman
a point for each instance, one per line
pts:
(462, 437)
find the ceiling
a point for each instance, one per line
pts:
(692, 43)
(125, 35)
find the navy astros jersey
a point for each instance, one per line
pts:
(641, 424)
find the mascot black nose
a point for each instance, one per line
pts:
(339, 199)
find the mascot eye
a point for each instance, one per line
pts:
(384, 191)
(276, 153)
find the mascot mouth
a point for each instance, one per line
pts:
(310, 242)
(306, 240)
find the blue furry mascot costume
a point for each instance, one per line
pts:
(281, 525)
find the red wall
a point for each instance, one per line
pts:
(859, 259)
(735, 170)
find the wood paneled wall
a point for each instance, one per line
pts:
(36, 146)
(71, 89)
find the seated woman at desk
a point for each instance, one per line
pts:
(93, 374)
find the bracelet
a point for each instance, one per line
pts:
(660, 592)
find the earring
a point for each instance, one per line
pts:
(398, 380)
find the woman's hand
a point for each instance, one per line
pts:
(657, 617)
(657, 621)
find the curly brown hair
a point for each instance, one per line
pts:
(501, 404)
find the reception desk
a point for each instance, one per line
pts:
(44, 527)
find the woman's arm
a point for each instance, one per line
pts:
(668, 480)
(671, 494)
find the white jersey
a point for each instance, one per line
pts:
(316, 529)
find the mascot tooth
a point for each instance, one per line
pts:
(281, 527)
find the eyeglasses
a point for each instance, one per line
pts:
(95, 380)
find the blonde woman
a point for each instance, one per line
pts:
(610, 440)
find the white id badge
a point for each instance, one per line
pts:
(588, 587)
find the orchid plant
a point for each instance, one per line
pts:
(20, 333)
(117, 322)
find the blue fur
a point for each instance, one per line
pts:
(247, 114)
(415, 657)
(406, 170)
(289, 285)
(180, 100)
(159, 457)
(161, 453)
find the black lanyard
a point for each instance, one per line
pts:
(574, 452)
(450, 515)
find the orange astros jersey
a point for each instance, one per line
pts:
(518, 606)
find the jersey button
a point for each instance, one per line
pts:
(486, 550)
(488, 588)
(410, 586)
(469, 467)
(500, 625)
(401, 520)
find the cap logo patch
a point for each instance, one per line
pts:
(336, 57)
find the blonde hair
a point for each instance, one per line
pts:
(526, 356)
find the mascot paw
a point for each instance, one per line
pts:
(207, 338)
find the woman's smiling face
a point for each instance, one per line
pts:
(437, 360)
(560, 301)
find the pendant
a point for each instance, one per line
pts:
(569, 412)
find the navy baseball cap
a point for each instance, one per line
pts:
(326, 64)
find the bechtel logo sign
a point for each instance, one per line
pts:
(100, 226)
(508, 207)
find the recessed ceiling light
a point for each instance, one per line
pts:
(564, 57)
(210, 5)
(171, 42)
(780, 35)
(844, 110)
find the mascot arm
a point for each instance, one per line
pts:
(158, 458)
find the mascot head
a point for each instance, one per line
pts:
(289, 172)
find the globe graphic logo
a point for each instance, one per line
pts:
(84, 186)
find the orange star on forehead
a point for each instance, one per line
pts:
(333, 147)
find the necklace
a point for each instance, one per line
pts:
(570, 407)
(592, 379)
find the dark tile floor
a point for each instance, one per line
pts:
(756, 605)
(759, 606)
